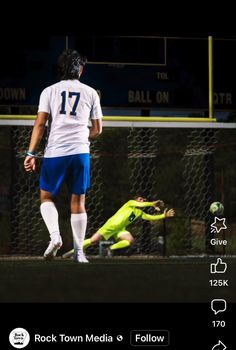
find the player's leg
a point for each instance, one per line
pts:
(50, 216)
(92, 240)
(78, 224)
(105, 232)
(52, 176)
(125, 240)
(87, 243)
(78, 181)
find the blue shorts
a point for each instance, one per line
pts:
(73, 169)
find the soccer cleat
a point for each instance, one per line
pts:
(52, 248)
(80, 257)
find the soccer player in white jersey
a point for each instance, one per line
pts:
(71, 107)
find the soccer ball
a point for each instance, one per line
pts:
(217, 208)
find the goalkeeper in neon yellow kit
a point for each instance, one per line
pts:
(115, 227)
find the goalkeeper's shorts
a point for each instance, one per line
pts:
(108, 231)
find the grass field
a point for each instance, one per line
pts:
(113, 280)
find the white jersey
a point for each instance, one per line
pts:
(71, 105)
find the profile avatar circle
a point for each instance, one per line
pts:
(19, 338)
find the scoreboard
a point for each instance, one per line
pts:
(128, 72)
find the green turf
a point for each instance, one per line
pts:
(107, 280)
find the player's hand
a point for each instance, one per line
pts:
(157, 204)
(30, 163)
(169, 213)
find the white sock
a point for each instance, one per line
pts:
(78, 225)
(50, 216)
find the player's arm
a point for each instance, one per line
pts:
(95, 117)
(37, 134)
(167, 214)
(95, 129)
(38, 130)
(137, 204)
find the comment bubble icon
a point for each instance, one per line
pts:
(218, 305)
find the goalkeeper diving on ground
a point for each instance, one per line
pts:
(116, 226)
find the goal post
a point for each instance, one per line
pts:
(118, 118)
(185, 163)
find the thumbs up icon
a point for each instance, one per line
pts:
(218, 267)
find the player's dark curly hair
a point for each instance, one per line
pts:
(137, 195)
(69, 64)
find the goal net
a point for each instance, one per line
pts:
(187, 165)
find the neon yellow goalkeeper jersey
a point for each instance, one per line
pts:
(127, 214)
